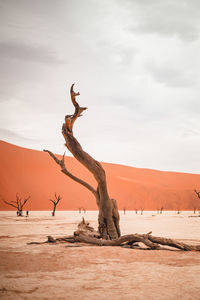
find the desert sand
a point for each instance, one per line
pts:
(69, 271)
(62, 271)
(34, 173)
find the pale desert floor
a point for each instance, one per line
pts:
(55, 271)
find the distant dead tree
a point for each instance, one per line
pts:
(82, 209)
(197, 193)
(195, 207)
(159, 206)
(18, 204)
(55, 203)
(178, 206)
(136, 204)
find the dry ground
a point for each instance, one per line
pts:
(62, 271)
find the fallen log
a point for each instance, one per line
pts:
(85, 234)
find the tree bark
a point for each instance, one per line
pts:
(108, 213)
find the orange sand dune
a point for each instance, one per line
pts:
(31, 172)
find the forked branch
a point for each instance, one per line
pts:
(57, 199)
(61, 163)
(18, 203)
(198, 193)
(9, 203)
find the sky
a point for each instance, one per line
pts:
(136, 64)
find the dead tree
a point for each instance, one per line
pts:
(108, 212)
(82, 209)
(195, 206)
(18, 204)
(109, 231)
(55, 203)
(197, 193)
(160, 210)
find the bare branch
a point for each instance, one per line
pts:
(61, 163)
(18, 204)
(58, 198)
(24, 202)
(198, 193)
(13, 202)
(70, 119)
(15, 206)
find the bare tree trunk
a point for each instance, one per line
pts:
(108, 213)
(108, 226)
(107, 207)
(53, 212)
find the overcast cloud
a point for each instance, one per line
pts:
(135, 63)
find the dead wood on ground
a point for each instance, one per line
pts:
(86, 234)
